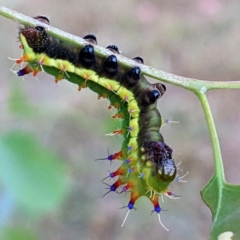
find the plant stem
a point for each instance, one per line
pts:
(191, 84)
(219, 168)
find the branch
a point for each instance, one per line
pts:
(219, 168)
(194, 85)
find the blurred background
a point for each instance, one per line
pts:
(50, 186)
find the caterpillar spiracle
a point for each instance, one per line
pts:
(148, 166)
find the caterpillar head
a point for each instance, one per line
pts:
(161, 155)
(167, 170)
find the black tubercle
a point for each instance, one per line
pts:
(113, 48)
(160, 87)
(111, 65)
(40, 28)
(132, 77)
(164, 87)
(139, 60)
(91, 38)
(87, 56)
(43, 19)
(149, 97)
(153, 96)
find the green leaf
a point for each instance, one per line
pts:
(31, 173)
(17, 234)
(223, 199)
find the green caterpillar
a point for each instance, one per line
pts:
(147, 166)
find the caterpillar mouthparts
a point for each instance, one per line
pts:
(148, 165)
